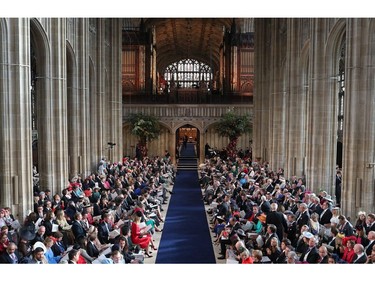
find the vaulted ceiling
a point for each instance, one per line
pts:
(179, 38)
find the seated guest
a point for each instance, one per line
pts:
(323, 253)
(92, 249)
(58, 248)
(257, 256)
(11, 255)
(348, 254)
(139, 236)
(360, 255)
(38, 256)
(273, 251)
(77, 227)
(50, 256)
(311, 254)
(104, 228)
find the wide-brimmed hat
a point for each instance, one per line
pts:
(240, 232)
(307, 234)
(39, 244)
(26, 234)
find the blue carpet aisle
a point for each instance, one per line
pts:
(186, 237)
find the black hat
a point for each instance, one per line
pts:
(240, 232)
(220, 219)
(26, 234)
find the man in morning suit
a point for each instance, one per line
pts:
(326, 215)
(277, 218)
(303, 217)
(311, 254)
(323, 253)
(360, 255)
(104, 228)
(370, 226)
(92, 250)
(11, 255)
(371, 243)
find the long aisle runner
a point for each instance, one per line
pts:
(186, 237)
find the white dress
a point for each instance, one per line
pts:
(335, 220)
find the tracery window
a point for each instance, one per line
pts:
(188, 73)
(341, 81)
(340, 101)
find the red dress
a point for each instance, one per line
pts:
(136, 239)
(249, 260)
(348, 255)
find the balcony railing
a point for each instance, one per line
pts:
(188, 96)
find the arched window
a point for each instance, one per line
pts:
(188, 73)
(341, 93)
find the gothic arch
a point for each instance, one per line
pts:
(40, 44)
(187, 123)
(333, 44)
(247, 87)
(128, 86)
(40, 41)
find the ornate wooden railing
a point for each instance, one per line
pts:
(187, 96)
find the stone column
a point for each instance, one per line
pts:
(94, 94)
(262, 89)
(100, 89)
(115, 94)
(15, 117)
(172, 146)
(52, 106)
(59, 111)
(202, 143)
(359, 139)
(322, 111)
(84, 114)
(295, 105)
(73, 103)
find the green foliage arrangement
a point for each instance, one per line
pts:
(233, 126)
(146, 128)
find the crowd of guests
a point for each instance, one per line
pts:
(258, 215)
(108, 217)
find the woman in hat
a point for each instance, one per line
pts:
(348, 254)
(24, 246)
(361, 219)
(335, 216)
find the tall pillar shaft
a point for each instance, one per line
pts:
(15, 118)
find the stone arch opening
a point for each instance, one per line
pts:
(40, 93)
(187, 134)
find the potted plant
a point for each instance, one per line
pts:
(146, 128)
(232, 125)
